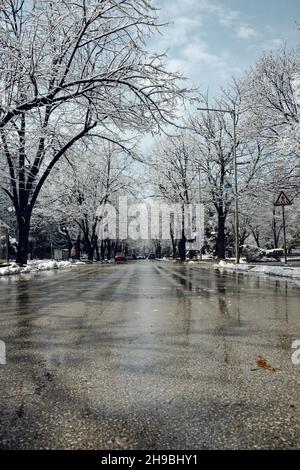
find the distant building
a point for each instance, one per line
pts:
(4, 231)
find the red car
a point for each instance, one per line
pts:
(120, 257)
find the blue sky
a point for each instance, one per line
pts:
(209, 41)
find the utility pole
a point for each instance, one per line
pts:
(236, 198)
(200, 202)
(7, 245)
(235, 167)
(199, 184)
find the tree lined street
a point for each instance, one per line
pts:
(149, 225)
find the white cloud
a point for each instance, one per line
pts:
(244, 32)
(178, 65)
(270, 44)
(198, 52)
(184, 24)
(225, 16)
(199, 58)
(200, 8)
(178, 31)
(199, 38)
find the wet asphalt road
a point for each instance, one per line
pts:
(148, 356)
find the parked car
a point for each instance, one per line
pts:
(151, 256)
(120, 257)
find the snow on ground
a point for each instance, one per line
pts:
(34, 266)
(47, 265)
(281, 271)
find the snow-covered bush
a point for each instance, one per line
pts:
(34, 266)
(276, 254)
(253, 253)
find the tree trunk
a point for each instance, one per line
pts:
(256, 236)
(94, 242)
(173, 242)
(77, 246)
(97, 248)
(157, 249)
(243, 237)
(182, 246)
(90, 252)
(182, 242)
(220, 248)
(69, 247)
(102, 249)
(23, 238)
(88, 247)
(108, 245)
(66, 233)
(174, 249)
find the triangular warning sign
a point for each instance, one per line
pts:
(283, 200)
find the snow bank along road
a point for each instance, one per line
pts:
(148, 356)
(289, 272)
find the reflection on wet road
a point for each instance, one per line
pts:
(148, 356)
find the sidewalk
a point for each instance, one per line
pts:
(280, 270)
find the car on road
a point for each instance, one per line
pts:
(151, 256)
(120, 257)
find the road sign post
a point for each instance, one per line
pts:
(284, 233)
(283, 201)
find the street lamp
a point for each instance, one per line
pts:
(237, 230)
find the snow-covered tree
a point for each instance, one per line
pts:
(80, 186)
(69, 69)
(173, 178)
(214, 139)
(271, 99)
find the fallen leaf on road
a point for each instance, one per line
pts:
(123, 441)
(262, 363)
